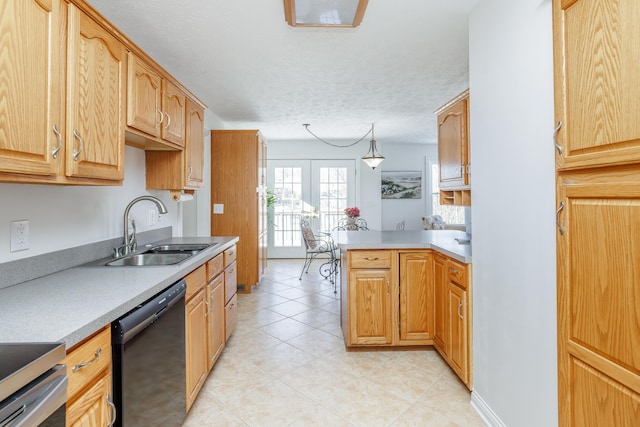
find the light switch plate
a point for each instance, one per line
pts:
(19, 236)
(218, 208)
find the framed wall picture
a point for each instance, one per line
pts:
(401, 185)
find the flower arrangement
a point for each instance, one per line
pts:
(353, 212)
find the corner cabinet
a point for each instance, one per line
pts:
(597, 146)
(184, 169)
(238, 183)
(453, 151)
(42, 147)
(155, 106)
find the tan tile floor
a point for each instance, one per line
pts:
(286, 365)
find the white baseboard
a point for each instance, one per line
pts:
(486, 413)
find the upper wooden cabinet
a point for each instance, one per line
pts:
(180, 170)
(155, 106)
(31, 113)
(453, 151)
(37, 144)
(95, 100)
(596, 82)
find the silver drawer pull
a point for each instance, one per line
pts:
(371, 259)
(80, 366)
(453, 270)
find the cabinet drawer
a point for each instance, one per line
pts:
(230, 282)
(195, 281)
(457, 272)
(86, 361)
(215, 266)
(370, 259)
(230, 255)
(231, 316)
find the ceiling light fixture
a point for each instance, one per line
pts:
(324, 13)
(373, 158)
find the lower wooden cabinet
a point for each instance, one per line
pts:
(453, 315)
(407, 298)
(231, 316)
(94, 407)
(89, 394)
(230, 297)
(369, 307)
(216, 324)
(196, 345)
(416, 298)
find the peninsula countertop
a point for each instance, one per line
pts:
(441, 240)
(72, 304)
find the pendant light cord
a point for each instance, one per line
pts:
(306, 126)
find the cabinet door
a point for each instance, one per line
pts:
(599, 298)
(174, 108)
(596, 82)
(94, 407)
(458, 348)
(194, 149)
(440, 340)
(215, 325)
(32, 82)
(196, 343)
(452, 145)
(144, 90)
(370, 318)
(416, 297)
(95, 100)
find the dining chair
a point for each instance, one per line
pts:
(315, 247)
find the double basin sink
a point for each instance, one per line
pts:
(167, 254)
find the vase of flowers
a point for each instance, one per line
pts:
(352, 215)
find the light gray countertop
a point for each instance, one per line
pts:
(72, 304)
(441, 240)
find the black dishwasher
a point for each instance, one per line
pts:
(149, 377)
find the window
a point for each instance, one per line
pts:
(450, 214)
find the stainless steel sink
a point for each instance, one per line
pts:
(149, 259)
(178, 248)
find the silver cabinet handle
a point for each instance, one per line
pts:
(80, 145)
(459, 307)
(468, 168)
(112, 416)
(168, 120)
(80, 366)
(55, 151)
(454, 271)
(388, 288)
(208, 309)
(555, 137)
(161, 117)
(560, 227)
(372, 259)
(190, 169)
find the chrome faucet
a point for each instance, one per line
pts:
(129, 243)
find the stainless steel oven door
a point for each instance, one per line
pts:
(39, 403)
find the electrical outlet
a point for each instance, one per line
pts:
(19, 236)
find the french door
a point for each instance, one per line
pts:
(317, 189)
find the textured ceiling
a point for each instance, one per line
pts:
(253, 71)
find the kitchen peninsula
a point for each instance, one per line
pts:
(407, 288)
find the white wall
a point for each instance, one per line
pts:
(513, 204)
(62, 217)
(408, 157)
